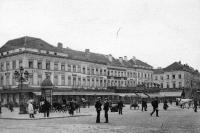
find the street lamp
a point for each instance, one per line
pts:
(21, 77)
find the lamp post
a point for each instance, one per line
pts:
(21, 76)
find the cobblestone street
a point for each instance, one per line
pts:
(174, 120)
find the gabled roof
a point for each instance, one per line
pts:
(158, 71)
(84, 56)
(139, 63)
(177, 66)
(28, 42)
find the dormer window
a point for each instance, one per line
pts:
(47, 52)
(55, 53)
(7, 52)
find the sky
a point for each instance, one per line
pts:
(158, 32)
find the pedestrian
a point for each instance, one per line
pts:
(46, 107)
(10, 106)
(71, 107)
(120, 106)
(30, 109)
(106, 108)
(98, 109)
(154, 104)
(0, 107)
(165, 105)
(195, 105)
(144, 106)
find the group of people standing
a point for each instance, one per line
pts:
(106, 106)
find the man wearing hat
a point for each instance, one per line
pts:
(98, 109)
(106, 108)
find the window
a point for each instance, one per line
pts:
(7, 65)
(104, 71)
(69, 68)
(13, 80)
(83, 70)
(14, 65)
(179, 76)
(79, 68)
(55, 66)
(97, 71)
(39, 79)
(173, 76)
(30, 63)
(20, 63)
(156, 77)
(1, 80)
(167, 85)
(69, 80)
(56, 79)
(30, 79)
(48, 65)
(63, 66)
(7, 78)
(84, 82)
(104, 83)
(161, 85)
(74, 81)
(180, 84)
(74, 68)
(161, 77)
(88, 70)
(2, 66)
(79, 81)
(62, 79)
(92, 70)
(174, 84)
(39, 64)
(101, 72)
(88, 81)
(167, 76)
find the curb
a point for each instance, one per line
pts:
(42, 118)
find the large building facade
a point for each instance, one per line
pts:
(68, 69)
(179, 76)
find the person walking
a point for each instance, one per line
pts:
(31, 110)
(165, 105)
(195, 105)
(106, 108)
(71, 107)
(98, 109)
(47, 107)
(120, 107)
(154, 104)
(144, 105)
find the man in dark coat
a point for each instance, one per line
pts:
(98, 109)
(195, 105)
(144, 105)
(120, 107)
(154, 104)
(46, 107)
(106, 108)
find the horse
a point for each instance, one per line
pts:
(183, 102)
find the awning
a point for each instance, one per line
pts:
(153, 95)
(171, 94)
(127, 94)
(79, 93)
(142, 95)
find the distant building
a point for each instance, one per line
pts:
(177, 75)
(69, 70)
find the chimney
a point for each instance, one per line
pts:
(179, 62)
(87, 51)
(125, 58)
(60, 45)
(134, 59)
(110, 57)
(120, 59)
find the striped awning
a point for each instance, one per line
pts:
(171, 94)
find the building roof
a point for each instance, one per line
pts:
(158, 71)
(37, 43)
(28, 42)
(139, 63)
